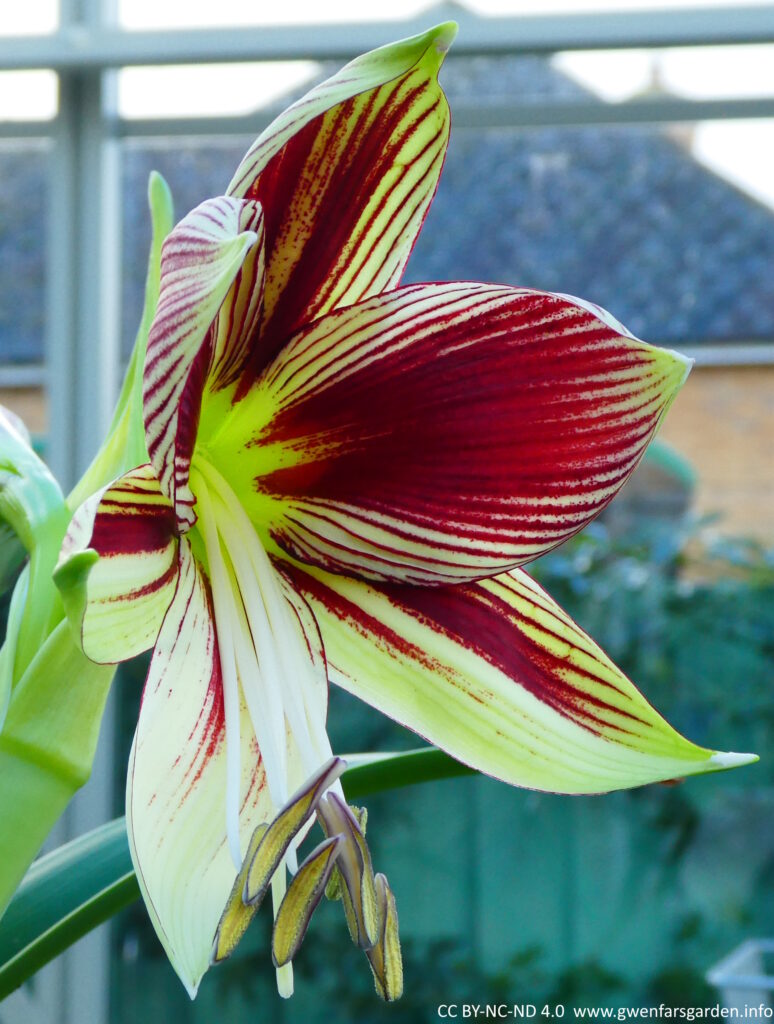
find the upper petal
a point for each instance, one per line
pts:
(449, 432)
(346, 176)
(117, 570)
(208, 309)
(496, 674)
(176, 785)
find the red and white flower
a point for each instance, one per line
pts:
(345, 479)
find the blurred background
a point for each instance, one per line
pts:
(621, 152)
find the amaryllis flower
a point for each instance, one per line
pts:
(344, 480)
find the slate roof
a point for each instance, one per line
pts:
(623, 216)
(23, 216)
(620, 215)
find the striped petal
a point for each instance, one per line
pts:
(346, 176)
(176, 786)
(495, 673)
(208, 309)
(117, 570)
(448, 432)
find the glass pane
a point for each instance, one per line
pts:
(697, 73)
(627, 217)
(23, 216)
(208, 89)
(199, 13)
(34, 17)
(583, 6)
(190, 13)
(28, 95)
(740, 153)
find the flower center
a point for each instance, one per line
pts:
(230, 438)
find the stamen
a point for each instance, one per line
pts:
(358, 892)
(385, 957)
(284, 973)
(237, 915)
(285, 827)
(304, 893)
(221, 600)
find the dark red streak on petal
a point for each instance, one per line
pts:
(149, 588)
(487, 626)
(190, 405)
(338, 204)
(133, 532)
(501, 422)
(210, 730)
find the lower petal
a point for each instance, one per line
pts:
(176, 788)
(495, 673)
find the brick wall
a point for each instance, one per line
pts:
(723, 422)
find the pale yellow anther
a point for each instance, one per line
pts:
(385, 957)
(237, 915)
(301, 899)
(333, 888)
(357, 892)
(285, 827)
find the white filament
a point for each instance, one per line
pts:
(284, 973)
(221, 599)
(285, 668)
(262, 649)
(268, 720)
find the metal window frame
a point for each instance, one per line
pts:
(83, 345)
(98, 44)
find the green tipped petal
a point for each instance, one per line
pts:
(365, 73)
(202, 261)
(118, 567)
(345, 177)
(176, 784)
(496, 674)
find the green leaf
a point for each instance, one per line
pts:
(46, 748)
(8, 650)
(372, 773)
(65, 895)
(72, 890)
(12, 557)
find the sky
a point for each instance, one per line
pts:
(742, 151)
